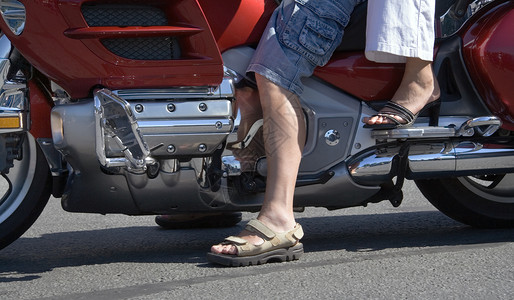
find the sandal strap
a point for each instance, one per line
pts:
(297, 233)
(258, 227)
(235, 240)
(400, 111)
(390, 117)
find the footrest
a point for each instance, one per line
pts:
(483, 126)
(414, 132)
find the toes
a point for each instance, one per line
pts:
(370, 120)
(223, 249)
(227, 249)
(373, 120)
(216, 249)
(377, 120)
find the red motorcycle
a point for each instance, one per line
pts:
(143, 107)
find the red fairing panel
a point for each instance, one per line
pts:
(489, 54)
(238, 22)
(366, 80)
(39, 112)
(58, 41)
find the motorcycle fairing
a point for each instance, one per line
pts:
(489, 55)
(79, 56)
(239, 22)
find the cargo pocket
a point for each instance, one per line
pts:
(317, 37)
(314, 33)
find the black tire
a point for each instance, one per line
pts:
(482, 201)
(26, 193)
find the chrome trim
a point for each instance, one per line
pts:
(491, 123)
(431, 159)
(170, 165)
(200, 119)
(231, 166)
(373, 166)
(115, 121)
(426, 158)
(166, 123)
(224, 90)
(14, 15)
(417, 132)
(165, 94)
(332, 137)
(467, 128)
(5, 46)
(184, 110)
(13, 93)
(184, 126)
(21, 115)
(475, 156)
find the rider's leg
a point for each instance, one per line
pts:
(285, 55)
(418, 87)
(403, 31)
(284, 137)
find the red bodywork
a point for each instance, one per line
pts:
(60, 44)
(74, 57)
(40, 109)
(364, 79)
(489, 55)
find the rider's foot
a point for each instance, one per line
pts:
(418, 88)
(281, 226)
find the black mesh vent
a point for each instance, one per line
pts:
(145, 48)
(123, 15)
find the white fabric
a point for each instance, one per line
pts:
(397, 29)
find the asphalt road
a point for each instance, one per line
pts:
(378, 252)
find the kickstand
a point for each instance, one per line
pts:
(395, 193)
(396, 188)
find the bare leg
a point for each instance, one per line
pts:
(284, 138)
(418, 87)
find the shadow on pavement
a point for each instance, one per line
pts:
(28, 257)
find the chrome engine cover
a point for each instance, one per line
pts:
(178, 129)
(187, 122)
(151, 124)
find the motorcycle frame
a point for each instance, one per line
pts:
(349, 107)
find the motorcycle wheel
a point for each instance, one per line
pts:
(25, 190)
(479, 201)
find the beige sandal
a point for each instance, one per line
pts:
(277, 246)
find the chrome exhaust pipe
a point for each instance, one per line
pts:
(423, 160)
